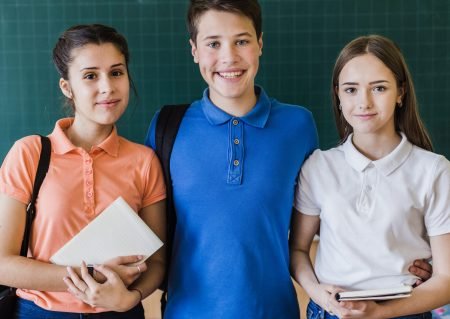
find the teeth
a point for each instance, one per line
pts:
(230, 75)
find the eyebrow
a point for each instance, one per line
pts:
(215, 37)
(96, 68)
(373, 82)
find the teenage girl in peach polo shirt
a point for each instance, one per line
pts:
(91, 165)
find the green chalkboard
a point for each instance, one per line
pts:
(301, 41)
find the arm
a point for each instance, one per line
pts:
(431, 294)
(303, 229)
(113, 294)
(18, 271)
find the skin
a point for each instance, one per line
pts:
(98, 85)
(227, 51)
(368, 93)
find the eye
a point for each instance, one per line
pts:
(350, 90)
(89, 76)
(242, 42)
(117, 73)
(379, 88)
(213, 45)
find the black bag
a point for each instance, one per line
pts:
(8, 296)
(167, 126)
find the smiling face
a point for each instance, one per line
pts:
(98, 84)
(227, 51)
(368, 95)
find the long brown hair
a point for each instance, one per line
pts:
(406, 116)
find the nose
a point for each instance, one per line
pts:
(229, 54)
(105, 85)
(364, 100)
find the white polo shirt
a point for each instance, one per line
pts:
(376, 216)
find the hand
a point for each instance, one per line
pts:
(112, 294)
(421, 268)
(121, 266)
(358, 310)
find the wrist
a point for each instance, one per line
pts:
(137, 292)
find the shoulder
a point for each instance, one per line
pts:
(27, 146)
(287, 110)
(429, 159)
(323, 159)
(134, 150)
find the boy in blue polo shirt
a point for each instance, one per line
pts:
(234, 166)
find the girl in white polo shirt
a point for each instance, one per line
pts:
(381, 198)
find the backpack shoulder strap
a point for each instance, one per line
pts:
(167, 126)
(44, 162)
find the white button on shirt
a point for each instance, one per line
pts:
(376, 216)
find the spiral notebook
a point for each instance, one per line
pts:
(117, 231)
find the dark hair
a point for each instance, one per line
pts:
(81, 35)
(248, 8)
(406, 116)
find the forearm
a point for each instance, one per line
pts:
(27, 273)
(151, 279)
(303, 272)
(432, 294)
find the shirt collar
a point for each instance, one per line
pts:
(386, 165)
(61, 143)
(256, 117)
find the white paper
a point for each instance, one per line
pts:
(376, 294)
(117, 231)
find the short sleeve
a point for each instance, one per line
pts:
(305, 194)
(437, 215)
(150, 138)
(155, 189)
(19, 169)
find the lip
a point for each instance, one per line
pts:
(365, 116)
(108, 103)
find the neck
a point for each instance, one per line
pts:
(374, 146)
(86, 136)
(238, 107)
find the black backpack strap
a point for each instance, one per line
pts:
(167, 126)
(44, 162)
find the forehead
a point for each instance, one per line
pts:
(96, 55)
(222, 23)
(365, 67)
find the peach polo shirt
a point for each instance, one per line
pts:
(78, 186)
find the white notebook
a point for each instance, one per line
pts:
(117, 231)
(375, 294)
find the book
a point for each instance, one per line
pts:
(116, 231)
(375, 294)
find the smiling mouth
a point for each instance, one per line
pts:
(230, 75)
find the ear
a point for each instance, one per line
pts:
(65, 88)
(194, 51)
(260, 43)
(401, 93)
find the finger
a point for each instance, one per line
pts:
(76, 280)
(89, 281)
(142, 267)
(423, 274)
(72, 288)
(423, 264)
(125, 260)
(109, 274)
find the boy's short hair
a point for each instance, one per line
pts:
(248, 8)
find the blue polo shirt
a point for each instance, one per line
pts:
(233, 182)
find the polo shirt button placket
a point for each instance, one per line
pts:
(237, 152)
